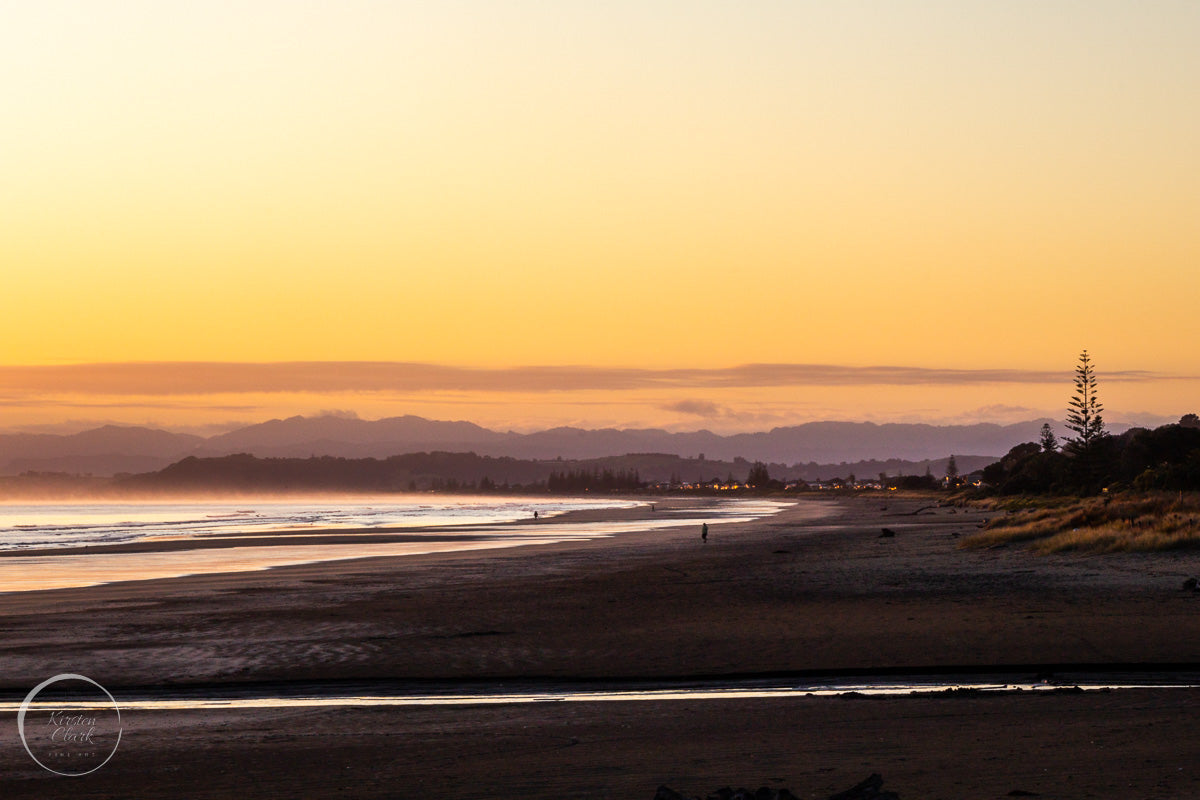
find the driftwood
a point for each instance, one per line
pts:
(667, 793)
(867, 789)
(919, 510)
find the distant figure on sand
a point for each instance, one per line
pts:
(704, 533)
(535, 516)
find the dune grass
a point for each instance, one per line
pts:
(1106, 524)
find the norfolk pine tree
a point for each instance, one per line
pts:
(1049, 441)
(1083, 417)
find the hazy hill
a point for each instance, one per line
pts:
(815, 441)
(101, 451)
(342, 436)
(853, 441)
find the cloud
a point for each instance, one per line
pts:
(340, 413)
(712, 411)
(207, 378)
(998, 413)
(31, 400)
(701, 408)
(1000, 409)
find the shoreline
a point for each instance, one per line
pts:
(175, 557)
(784, 594)
(329, 535)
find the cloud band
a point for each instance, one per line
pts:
(201, 378)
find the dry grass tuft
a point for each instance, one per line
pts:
(1108, 524)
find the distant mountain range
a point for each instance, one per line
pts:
(114, 449)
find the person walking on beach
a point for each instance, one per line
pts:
(704, 533)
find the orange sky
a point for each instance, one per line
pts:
(939, 186)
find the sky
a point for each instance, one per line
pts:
(653, 213)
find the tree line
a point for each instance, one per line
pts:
(594, 480)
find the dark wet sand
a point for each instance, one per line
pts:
(1119, 745)
(776, 596)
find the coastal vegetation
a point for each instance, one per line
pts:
(1127, 522)
(601, 480)
(1166, 458)
(1139, 491)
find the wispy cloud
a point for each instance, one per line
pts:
(998, 413)
(700, 408)
(712, 412)
(39, 399)
(205, 378)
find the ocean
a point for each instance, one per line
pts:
(85, 544)
(30, 526)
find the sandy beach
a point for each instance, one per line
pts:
(814, 590)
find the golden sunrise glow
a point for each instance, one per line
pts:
(654, 185)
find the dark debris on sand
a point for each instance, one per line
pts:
(870, 788)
